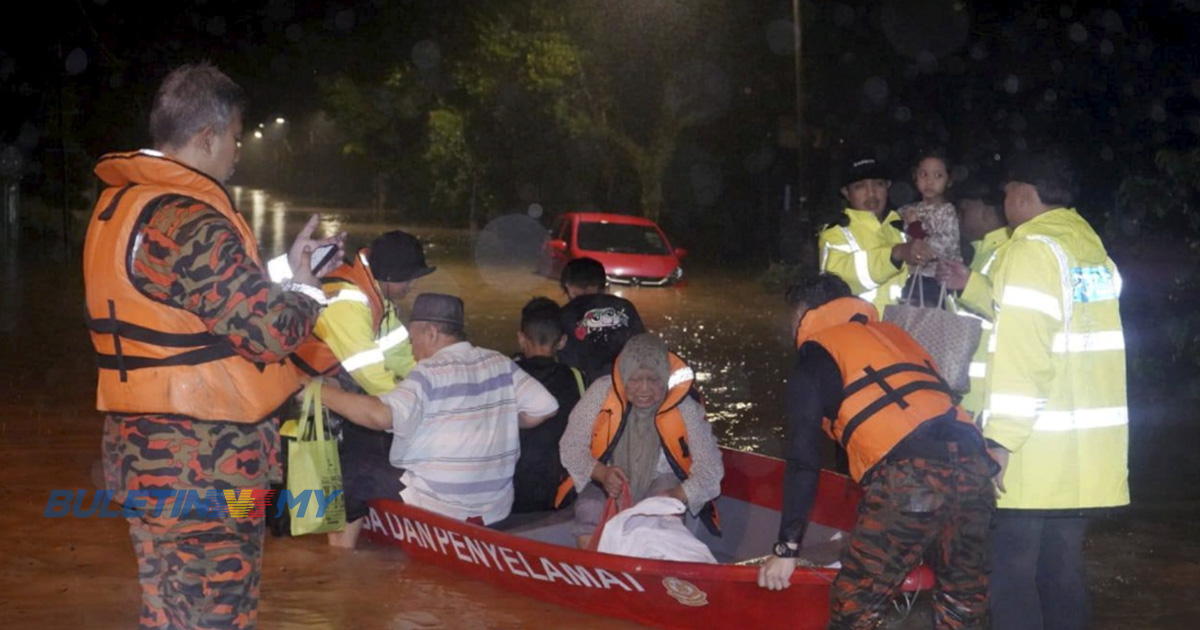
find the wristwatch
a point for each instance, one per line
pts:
(786, 550)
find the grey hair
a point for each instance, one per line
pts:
(191, 98)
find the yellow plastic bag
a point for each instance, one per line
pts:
(313, 466)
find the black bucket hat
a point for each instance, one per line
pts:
(397, 257)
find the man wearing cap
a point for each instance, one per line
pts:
(1056, 415)
(867, 247)
(454, 420)
(360, 340)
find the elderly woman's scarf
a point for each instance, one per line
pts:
(638, 449)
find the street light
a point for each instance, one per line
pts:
(280, 120)
(257, 135)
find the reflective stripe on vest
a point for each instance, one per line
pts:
(350, 282)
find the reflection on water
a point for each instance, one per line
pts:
(62, 573)
(732, 333)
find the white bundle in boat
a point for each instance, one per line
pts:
(653, 529)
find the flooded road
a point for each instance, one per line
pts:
(79, 573)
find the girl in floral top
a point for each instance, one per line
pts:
(933, 218)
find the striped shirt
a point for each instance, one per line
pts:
(454, 426)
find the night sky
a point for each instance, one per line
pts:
(1113, 82)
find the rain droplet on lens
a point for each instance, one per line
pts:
(215, 26)
(876, 89)
(426, 55)
(1012, 84)
(1050, 95)
(843, 15)
(781, 37)
(902, 193)
(1106, 154)
(848, 57)
(1057, 66)
(28, 137)
(1128, 89)
(979, 52)
(344, 19)
(1144, 50)
(1065, 12)
(1107, 48)
(903, 114)
(1112, 22)
(1158, 113)
(927, 61)
(76, 62)
(294, 33)
(1078, 33)
(1043, 24)
(1020, 144)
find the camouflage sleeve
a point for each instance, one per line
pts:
(191, 257)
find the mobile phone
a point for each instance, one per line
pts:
(322, 256)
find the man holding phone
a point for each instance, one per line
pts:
(360, 340)
(191, 339)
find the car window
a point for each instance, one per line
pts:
(557, 232)
(619, 238)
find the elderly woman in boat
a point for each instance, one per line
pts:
(643, 426)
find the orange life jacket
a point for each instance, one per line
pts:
(891, 385)
(314, 357)
(152, 357)
(834, 312)
(672, 432)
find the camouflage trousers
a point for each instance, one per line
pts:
(197, 571)
(919, 509)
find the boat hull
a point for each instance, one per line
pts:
(657, 593)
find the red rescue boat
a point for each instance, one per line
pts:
(536, 556)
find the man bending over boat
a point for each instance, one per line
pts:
(644, 426)
(922, 461)
(454, 420)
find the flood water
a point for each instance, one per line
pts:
(69, 572)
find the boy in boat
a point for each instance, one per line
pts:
(921, 459)
(454, 420)
(597, 324)
(539, 469)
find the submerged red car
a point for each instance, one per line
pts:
(633, 250)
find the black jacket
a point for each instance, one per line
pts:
(597, 328)
(539, 470)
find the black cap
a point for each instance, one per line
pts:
(862, 167)
(437, 307)
(397, 257)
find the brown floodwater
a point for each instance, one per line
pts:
(80, 573)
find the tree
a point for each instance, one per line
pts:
(384, 120)
(604, 79)
(453, 166)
